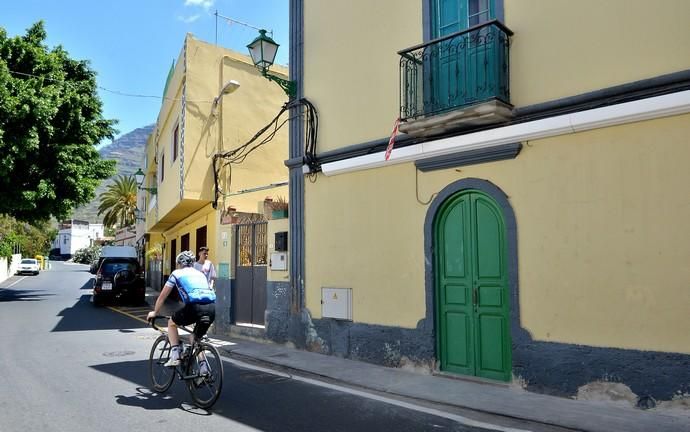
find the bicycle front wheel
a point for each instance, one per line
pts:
(205, 372)
(161, 377)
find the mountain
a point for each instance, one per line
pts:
(128, 151)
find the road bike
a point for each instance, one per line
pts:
(204, 382)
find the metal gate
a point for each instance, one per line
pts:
(249, 303)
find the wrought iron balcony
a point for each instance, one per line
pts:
(458, 72)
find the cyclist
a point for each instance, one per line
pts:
(199, 303)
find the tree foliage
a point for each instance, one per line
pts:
(87, 255)
(119, 202)
(50, 121)
(27, 239)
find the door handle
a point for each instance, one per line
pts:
(474, 296)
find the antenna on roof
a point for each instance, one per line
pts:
(234, 21)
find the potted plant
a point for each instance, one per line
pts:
(279, 208)
(155, 252)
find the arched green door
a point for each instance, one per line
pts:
(472, 298)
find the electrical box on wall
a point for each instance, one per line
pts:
(278, 261)
(281, 241)
(336, 303)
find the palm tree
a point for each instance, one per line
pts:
(119, 202)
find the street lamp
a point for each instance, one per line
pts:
(139, 177)
(139, 215)
(263, 51)
(229, 87)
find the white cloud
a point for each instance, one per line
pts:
(203, 3)
(189, 19)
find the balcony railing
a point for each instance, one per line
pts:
(457, 70)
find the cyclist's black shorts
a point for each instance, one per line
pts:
(193, 313)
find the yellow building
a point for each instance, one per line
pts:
(208, 182)
(532, 222)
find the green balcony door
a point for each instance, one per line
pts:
(472, 298)
(464, 69)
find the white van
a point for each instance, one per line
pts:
(113, 252)
(118, 252)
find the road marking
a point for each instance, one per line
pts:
(112, 308)
(16, 282)
(460, 419)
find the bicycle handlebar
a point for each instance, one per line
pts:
(152, 321)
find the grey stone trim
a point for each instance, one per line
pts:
(426, 17)
(388, 346)
(426, 20)
(560, 368)
(224, 295)
(366, 148)
(296, 150)
(470, 157)
(645, 88)
(278, 300)
(664, 84)
(511, 247)
(545, 367)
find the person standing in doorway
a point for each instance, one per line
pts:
(204, 265)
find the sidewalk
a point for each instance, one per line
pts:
(498, 399)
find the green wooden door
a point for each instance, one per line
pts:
(464, 67)
(472, 298)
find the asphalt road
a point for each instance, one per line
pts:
(68, 365)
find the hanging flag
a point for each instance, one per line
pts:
(391, 141)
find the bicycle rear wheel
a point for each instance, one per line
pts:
(161, 377)
(207, 381)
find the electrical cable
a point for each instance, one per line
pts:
(239, 155)
(117, 92)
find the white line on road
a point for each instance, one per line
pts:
(460, 419)
(16, 282)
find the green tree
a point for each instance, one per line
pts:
(119, 202)
(27, 239)
(50, 121)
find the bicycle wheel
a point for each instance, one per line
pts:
(161, 377)
(205, 388)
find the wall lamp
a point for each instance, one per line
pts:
(139, 177)
(263, 51)
(229, 87)
(139, 215)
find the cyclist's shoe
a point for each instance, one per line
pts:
(172, 362)
(174, 359)
(204, 373)
(203, 368)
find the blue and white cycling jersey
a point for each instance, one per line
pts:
(192, 286)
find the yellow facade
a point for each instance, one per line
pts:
(552, 56)
(602, 219)
(205, 122)
(593, 216)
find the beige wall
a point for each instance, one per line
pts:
(603, 236)
(560, 48)
(238, 117)
(169, 116)
(351, 65)
(564, 47)
(274, 226)
(204, 217)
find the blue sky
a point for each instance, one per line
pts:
(132, 43)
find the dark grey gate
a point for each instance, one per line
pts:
(250, 276)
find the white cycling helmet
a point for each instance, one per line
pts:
(185, 258)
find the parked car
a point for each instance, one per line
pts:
(94, 266)
(28, 265)
(113, 252)
(119, 279)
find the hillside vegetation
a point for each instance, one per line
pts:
(128, 151)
